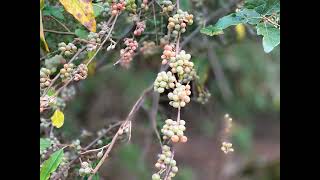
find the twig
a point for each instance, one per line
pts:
(59, 32)
(64, 26)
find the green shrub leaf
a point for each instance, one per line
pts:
(51, 164)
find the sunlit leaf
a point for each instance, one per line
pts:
(51, 164)
(82, 10)
(57, 119)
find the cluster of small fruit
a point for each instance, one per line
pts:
(178, 22)
(44, 78)
(117, 6)
(164, 80)
(174, 130)
(148, 48)
(67, 50)
(106, 9)
(167, 6)
(81, 72)
(104, 28)
(131, 6)
(144, 5)
(93, 41)
(165, 163)
(76, 144)
(66, 71)
(52, 148)
(126, 54)
(68, 93)
(226, 147)
(168, 53)
(85, 169)
(164, 40)
(140, 26)
(180, 96)
(203, 97)
(182, 65)
(45, 101)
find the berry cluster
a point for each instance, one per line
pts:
(144, 5)
(81, 72)
(68, 93)
(165, 163)
(168, 53)
(226, 147)
(106, 9)
(104, 28)
(126, 55)
(164, 80)
(53, 147)
(93, 41)
(117, 6)
(45, 101)
(164, 40)
(179, 21)
(167, 6)
(66, 71)
(174, 130)
(182, 65)
(180, 96)
(76, 144)
(203, 97)
(67, 50)
(140, 26)
(85, 169)
(148, 48)
(45, 77)
(131, 6)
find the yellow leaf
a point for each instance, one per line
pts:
(42, 39)
(82, 10)
(57, 118)
(241, 31)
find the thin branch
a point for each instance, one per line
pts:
(59, 32)
(64, 26)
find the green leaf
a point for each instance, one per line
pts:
(244, 16)
(271, 36)
(263, 7)
(81, 33)
(51, 92)
(51, 164)
(44, 143)
(56, 12)
(41, 4)
(97, 9)
(184, 4)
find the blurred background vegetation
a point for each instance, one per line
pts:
(243, 81)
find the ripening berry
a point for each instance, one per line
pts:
(175, 138)
(156, 177)
(100, 154)
(183, 139)
(174, 169)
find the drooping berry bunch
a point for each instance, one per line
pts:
(182, 65)
(67, 50)
(104, 28)
(44, 78)
(140, 26)
(66, 71)
(165, 164)
(131, 6)
(81, 72)
(174, 130)
(144, 5)
(126, 54)
(117, 6)
(180, 96)
(167, 6)
(168, 53)
(148, 48)
(93, 41)
(203, 97)
(106, 9)
(178, 22)
(85, 169)
(164, 80)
